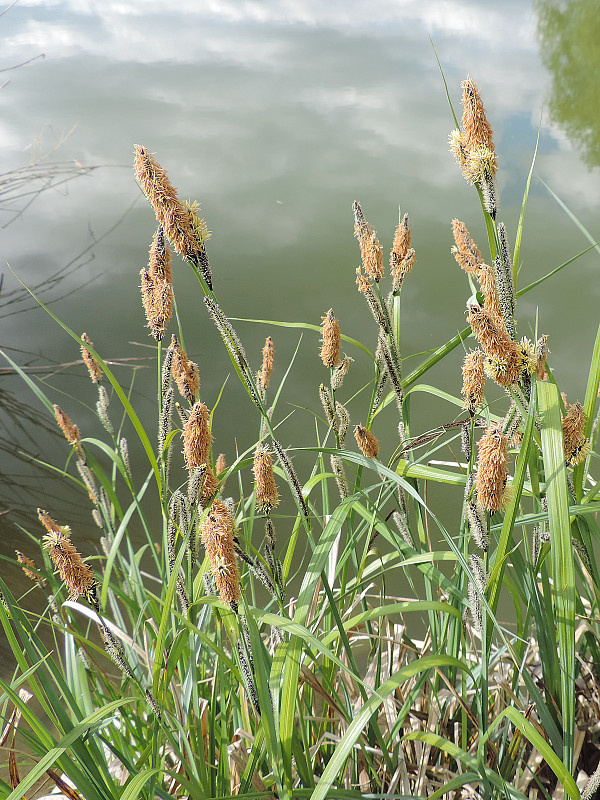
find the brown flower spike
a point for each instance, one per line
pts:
(216, 532)
(28, 565)
(466, 252)
(492, 470)
(267, 497)
(268, 354)
(197, 442)
(368, 444)
(473, 380)
(370, 250)
(504, 360)
(178, 221)
(541, 349)
(185, 372)
(577, 446)
(331, 340)
(487, 281)
(156, 286)
(402, 257)
(78, 577)
(90, 361)
(477, 134)
(70, 430)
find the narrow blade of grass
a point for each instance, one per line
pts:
(563, 570)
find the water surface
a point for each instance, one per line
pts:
(276, 116)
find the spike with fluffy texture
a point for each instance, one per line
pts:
(90, 361)
(331, 339)
(78, 577)
(370, 250)
(182, 226)
(367, 442)
(70, 430)
(216, 531)
(492, 470)
(266, 490)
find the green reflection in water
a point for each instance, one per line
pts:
(569, 35)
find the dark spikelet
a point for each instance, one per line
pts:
(465, 439)
(393, 371)
(234, 348)
(246, 670)
(337, 467)
(487, 181)
(195, 483)
(343, 423)
(257, 569)
(506, 294)
(164, 424)
(167, 366)
(478, 525)
(327, 403)
(476, 588)
(365, 288)
(291, 475)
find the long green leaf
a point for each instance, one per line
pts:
(563, 570)
(136, 784)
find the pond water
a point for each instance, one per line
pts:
(276, 116)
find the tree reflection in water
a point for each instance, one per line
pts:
(568, 33)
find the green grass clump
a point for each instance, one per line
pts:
(184, 667)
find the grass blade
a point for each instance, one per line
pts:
(561, 550)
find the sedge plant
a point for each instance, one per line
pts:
(184, 666)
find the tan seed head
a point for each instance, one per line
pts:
(367, 443)
(331, 340)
